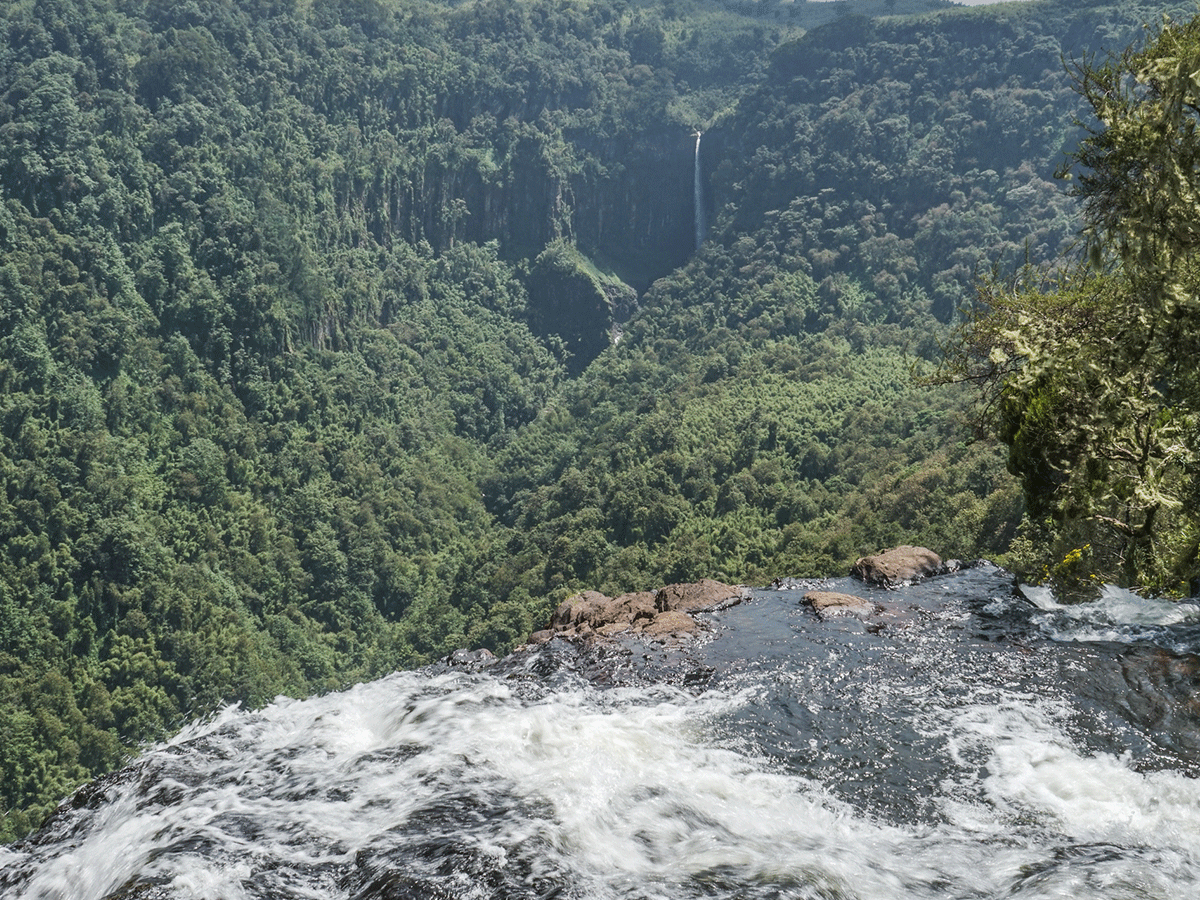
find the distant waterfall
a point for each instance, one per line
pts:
(698, 195)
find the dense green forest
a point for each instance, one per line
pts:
(335, 335)
(1087, 369)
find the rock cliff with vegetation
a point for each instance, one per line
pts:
(309, 314)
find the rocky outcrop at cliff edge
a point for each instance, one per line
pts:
(900, 565)
(662, 615)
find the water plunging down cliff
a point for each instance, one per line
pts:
(960, 740)
(698, 194)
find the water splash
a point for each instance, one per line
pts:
(1116, 615)
(790, 770)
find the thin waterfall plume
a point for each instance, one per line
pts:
(698, 194)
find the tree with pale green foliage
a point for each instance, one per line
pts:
(1088, 373)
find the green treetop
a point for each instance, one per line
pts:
(1088, 372)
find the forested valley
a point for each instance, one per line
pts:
(336, 335)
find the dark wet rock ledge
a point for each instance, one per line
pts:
(596, 635)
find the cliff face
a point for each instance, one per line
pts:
(639, 212)
(566, 300)
(625, 199)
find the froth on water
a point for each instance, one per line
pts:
(764, 781)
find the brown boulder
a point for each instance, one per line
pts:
(589, 608)
(694, 597)
(658, 614)
(900, 565)
(827, 604)
(634, 606)
(670, 623)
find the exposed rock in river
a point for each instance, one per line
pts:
(662, 614)
(900, 565)
(831, 603)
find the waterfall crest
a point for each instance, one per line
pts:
(964, 741)
(698, 194)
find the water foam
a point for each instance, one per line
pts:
(474, 786)
(616, 794)
(1117, 615)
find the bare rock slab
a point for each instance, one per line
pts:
(697, 596)
(898, 566)
(660, 614)
(828, 604)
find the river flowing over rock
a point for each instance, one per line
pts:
(964, 740)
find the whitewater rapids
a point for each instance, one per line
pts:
(971, 742)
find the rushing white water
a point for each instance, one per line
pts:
(1117, 615)
(785, 763)
(698, 195)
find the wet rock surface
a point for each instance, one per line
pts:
(827, 604)
(471, 660)
(663, 615)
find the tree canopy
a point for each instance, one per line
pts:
(1088, 371)
(336, 335)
